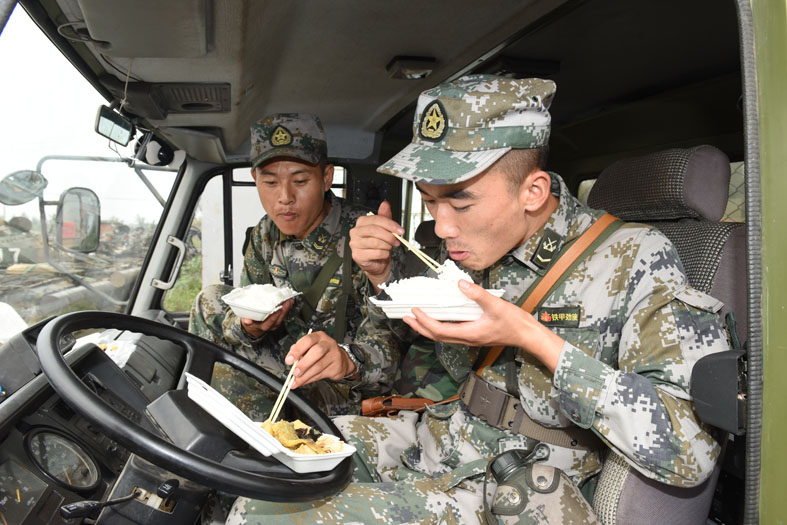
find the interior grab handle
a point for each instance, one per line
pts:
(180, 246)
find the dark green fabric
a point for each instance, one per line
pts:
(422, 374)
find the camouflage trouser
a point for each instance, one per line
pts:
(428, 471)
(422, 375)
(254, 399)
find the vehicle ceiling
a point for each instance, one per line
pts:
(631, 75)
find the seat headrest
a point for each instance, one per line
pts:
(669, 184)
(425, 235)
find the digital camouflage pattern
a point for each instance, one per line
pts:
(296, 135)
(623, 374)
(463, 127)
(251, 397)
(422, 375)
(284, 260)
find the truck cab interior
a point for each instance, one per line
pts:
(649, 122)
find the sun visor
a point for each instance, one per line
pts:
(172, 29)
(201, 145)
(346, 143)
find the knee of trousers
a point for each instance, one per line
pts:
(207, 312)
(209, 298)
(208, 301)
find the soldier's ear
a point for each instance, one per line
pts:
(535, 191)
(327, 176)
(254, 175)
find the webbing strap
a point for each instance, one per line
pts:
(312, 296)
(570, 257)
(503, 410)
(320, 284)
(340, 323)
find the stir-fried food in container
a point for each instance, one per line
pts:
(301, 438)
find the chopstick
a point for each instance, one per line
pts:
(284, 391)
(431, 263)
(282, 395)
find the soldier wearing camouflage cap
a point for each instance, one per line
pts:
(301, 242)
(602, 366)
(292, 135)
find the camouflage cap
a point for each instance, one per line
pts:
(296, 135)
(464, 126)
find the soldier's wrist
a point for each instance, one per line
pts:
(356, 358)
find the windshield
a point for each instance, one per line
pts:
(52, 264)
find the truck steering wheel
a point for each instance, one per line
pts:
(200, 358)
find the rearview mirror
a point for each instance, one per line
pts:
(78, 220)
(114, 126)
(21, 187)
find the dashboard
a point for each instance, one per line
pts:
(51, 456)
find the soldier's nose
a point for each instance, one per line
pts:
(445, 229)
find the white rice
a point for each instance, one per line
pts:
(263, 297)
(428, 290)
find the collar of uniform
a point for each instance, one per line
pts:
(560, 222)
(320, 238)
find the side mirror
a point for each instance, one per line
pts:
(78, 220)
(114, 126)
(21, 187)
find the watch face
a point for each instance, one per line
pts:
(357, 353)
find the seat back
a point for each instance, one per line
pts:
(683, 193)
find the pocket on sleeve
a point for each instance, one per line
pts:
(699, 300)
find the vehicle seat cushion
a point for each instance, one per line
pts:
(625, 496)
(671, 184)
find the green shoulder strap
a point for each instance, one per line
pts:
(317, 289)
(312, 296)
(342, 305)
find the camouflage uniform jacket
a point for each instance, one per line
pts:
(286, 261)
(633, 329)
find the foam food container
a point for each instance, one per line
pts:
(252, 433)
(257, 301)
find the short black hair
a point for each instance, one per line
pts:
(519, 163)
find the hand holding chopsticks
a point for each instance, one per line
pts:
(284, 391)
(431, 263)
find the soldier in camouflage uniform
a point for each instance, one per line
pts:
(301, 242)
(604, 362)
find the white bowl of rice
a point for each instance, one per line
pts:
(439, 298)
(258, 301)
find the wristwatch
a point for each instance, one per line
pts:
(355, 355)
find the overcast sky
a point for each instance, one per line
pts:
(46, 108)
